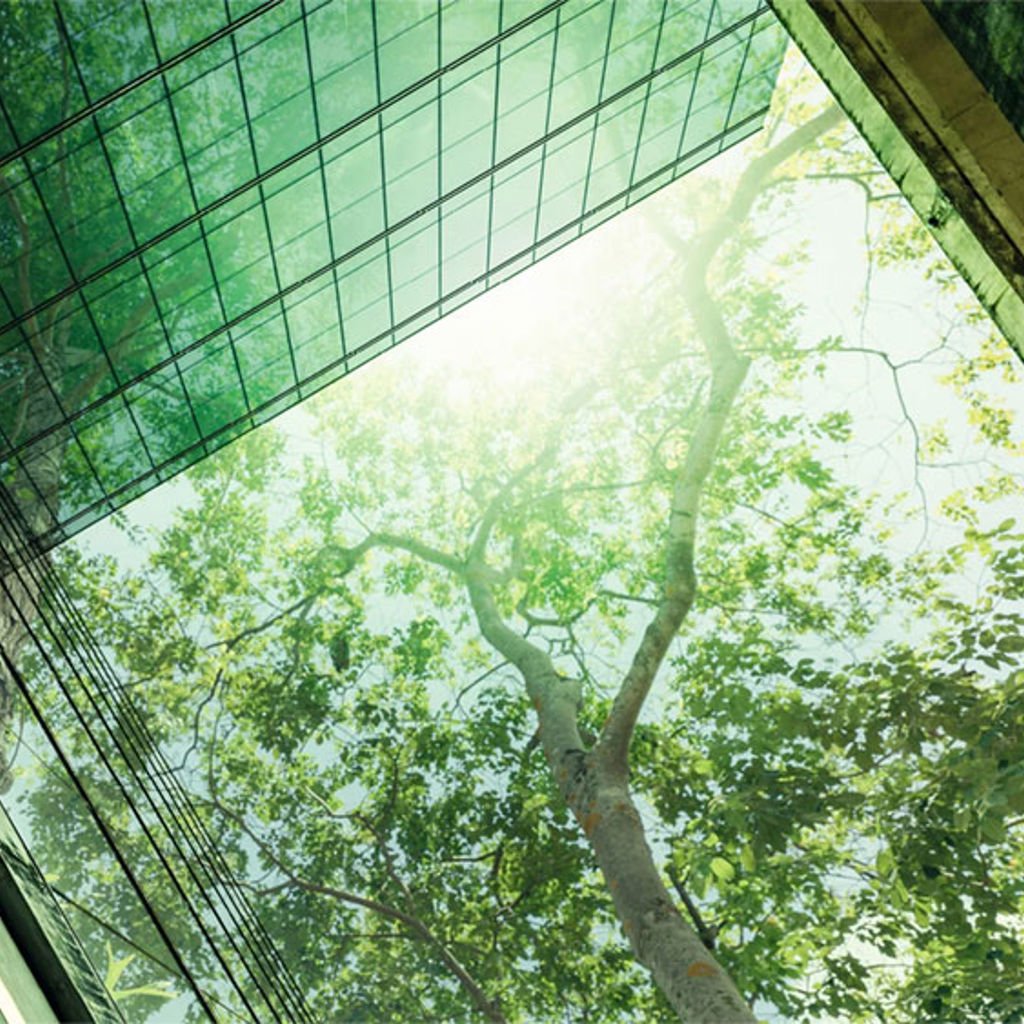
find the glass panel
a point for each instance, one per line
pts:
(147, 161)
(83, 492)
(634, 38)
(91, 372)
(181, 277)
(27, 236)
(215, 392)
(714, 89)
(177, 27)
(463, 234)
(578, 63)
(353, 190)
(316, 352)
(364, 297)
(211, 119)
(265, 360)
(343, 65)
(407, 38)
(685, 27)
(612, 159)
(126, 319)
(410, 159)
(523, 101)
(82, 200)
(111, 43)
(465, 26)
(467, 116)
(241, 259)
(297, 226)
(414, 271)
(35, 98)
(515, 212)
(35, 388)
(564, 178)
(727, 12)
(755, 91)
(160, 408)
(659, 143)
(111, 441)
(277, 95)
(311, 310)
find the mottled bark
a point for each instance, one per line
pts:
(661, 939)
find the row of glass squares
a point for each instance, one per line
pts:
(172, 419)
(529, 199)
(283, 287)
(155, 157)
(243, 239)
(112, 43)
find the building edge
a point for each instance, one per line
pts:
(955, 185)
(43, 967)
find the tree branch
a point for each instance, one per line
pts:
(478, 547)
(414, 547)
(302, 605)
(748, 189)
(679, 588)
(414, 923)
(728, 368)
(708, 933)
(555, 698)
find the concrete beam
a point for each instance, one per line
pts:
(935, 128)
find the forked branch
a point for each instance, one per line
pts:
(728, 369)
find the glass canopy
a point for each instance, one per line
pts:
(212, 211)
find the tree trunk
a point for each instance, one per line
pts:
(597, 792)
(697, 988)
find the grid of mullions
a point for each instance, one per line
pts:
(221, 209)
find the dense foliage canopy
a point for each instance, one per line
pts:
(828, 764)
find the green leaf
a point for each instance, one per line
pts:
(992, 828)
(962, 818)
(722, 869)
(885, 863)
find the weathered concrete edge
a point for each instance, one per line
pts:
(909, 172)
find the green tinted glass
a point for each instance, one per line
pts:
(212, 213)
